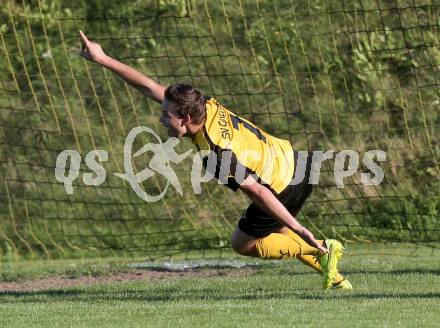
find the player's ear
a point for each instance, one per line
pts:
(186, 119)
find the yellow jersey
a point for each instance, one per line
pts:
(240, 148)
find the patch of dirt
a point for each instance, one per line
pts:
(135, 275)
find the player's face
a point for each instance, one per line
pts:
(171, 121)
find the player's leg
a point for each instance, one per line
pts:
(255, 236)
(243, 244)
(288, 245)
(274, 246)
(309, 260)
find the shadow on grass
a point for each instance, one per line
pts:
(366, 271)
(199, 294)
(149, 295)
(370, 296)
(395, 272)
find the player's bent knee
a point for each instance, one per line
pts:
(237, 246)
(242, 243)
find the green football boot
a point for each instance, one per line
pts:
(329, 262)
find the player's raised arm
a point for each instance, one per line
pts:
(93, 51)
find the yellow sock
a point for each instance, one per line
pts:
(309, 260)
(279, 246)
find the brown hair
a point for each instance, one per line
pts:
(188, 99)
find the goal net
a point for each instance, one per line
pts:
(325, 74)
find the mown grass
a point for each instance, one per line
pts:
(390, 290)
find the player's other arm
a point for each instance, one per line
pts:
(93, 51)
(265, 200)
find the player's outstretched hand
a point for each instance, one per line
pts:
(322, 249)
(309, 238)
(91, 50)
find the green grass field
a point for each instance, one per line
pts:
(400, 289)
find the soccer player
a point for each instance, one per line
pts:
(259, 164)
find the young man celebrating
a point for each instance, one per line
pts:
(259, 164)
